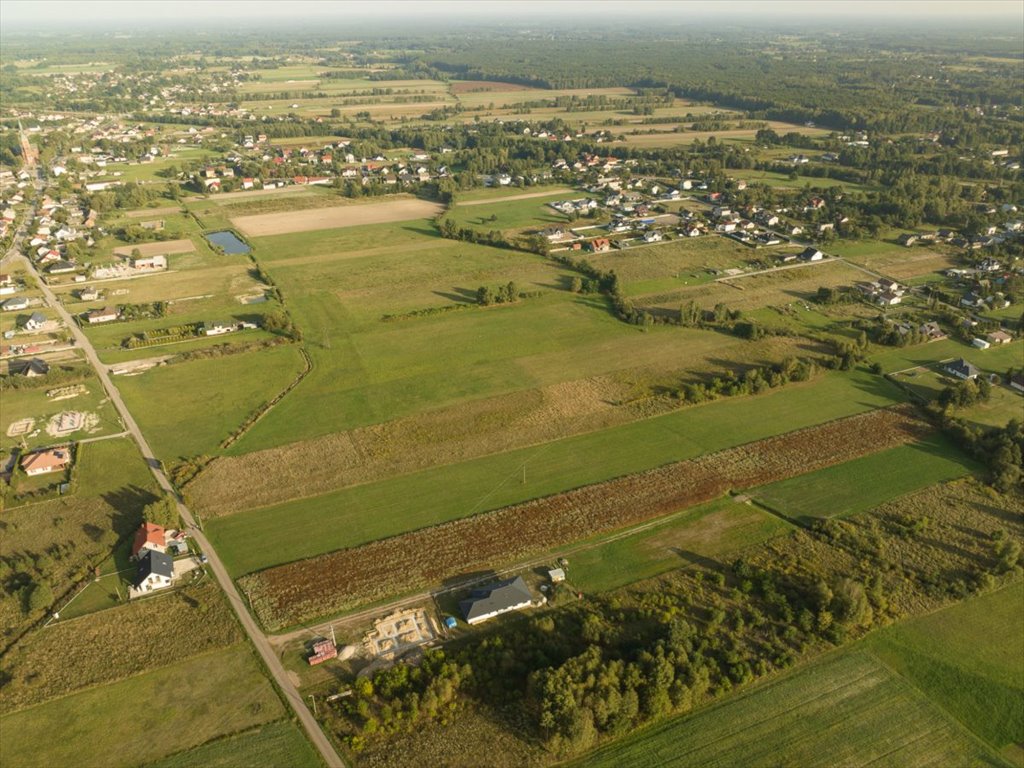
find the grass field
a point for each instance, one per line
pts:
(19, 404)
(276, 744)
(846, 709)
(968, 659)
(253, 540)
(213, 397)
(533, 212)
(225, 693)
(864, 483)
(714, 530)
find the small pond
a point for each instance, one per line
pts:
(228, 241)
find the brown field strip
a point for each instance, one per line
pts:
(288, 594)
(144, 212)
(267, 224)
(525, 196)
(158, 248)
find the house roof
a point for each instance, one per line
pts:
(53, 458)
(961, 366)
(153, 563)
(148, 533)
(496, 597)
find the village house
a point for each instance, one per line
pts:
(811, 254)
(961, 369)
(15, 304)
(35, 322)
(155, 571)
(495, 599)
(148, 262)
(105, 315)
(1017, 382)
(49, 460)
(999, 337)
(149, 536)
(600, 245)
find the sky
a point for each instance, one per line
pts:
(17, 15)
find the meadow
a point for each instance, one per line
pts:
(864, 483)
(717, 530)
(278, 743)
(845, 709)
(255, 539)
(226, 693)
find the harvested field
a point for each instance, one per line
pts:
(473, 86)
(237, 483)
(524, 196)
(142, 213)
(915, 264)
(341, 580)
(335, 218)
(161, 248)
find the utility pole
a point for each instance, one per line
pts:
(333, 638)
(524, 473)
(314, 704)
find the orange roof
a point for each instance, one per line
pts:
(45, 461)
(148, 533)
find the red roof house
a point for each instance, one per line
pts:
(149, 536)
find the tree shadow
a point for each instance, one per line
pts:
(458, 295)
(128, 503)
(701, 560)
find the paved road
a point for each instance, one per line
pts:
(317, 736)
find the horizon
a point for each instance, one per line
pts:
(41, 16)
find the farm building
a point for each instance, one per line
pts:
(149, 536)
(322, 651)
(557, 575)
(49, 460)
(1017, 382)
(962, 369)
(495, 599)
(218, 328)
(156, 571)
(61, 267)
(15, 304)
(980, 343)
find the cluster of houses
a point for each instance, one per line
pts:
(48, 245)
(154, 548)
(990, 236)
(885, 292)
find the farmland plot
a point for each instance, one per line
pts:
(332, 218)
(286, 594)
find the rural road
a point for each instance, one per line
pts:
(291, 694)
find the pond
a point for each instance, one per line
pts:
(228, 241)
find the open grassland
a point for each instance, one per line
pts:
(846, 709)
(716, 530)
(363, 513)
(334, 218)
(116, 644)
(226, 693)
(511, 214)
(677, 138)
(212, 397)
(993, 360)
(275, 744)
(290, 593)
(969, 660)
(781, 287)
(60, 541)
(864, 483)
(509, 194)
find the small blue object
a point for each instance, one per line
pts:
(450, 622)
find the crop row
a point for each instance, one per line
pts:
(344, 579)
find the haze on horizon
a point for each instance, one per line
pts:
(52, 15)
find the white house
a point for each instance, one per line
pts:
(495, 599)
(156, 571)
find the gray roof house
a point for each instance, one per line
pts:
(962, 369)
(494, 599)
(156, 570)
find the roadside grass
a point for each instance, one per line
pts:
(865, 483)
(116, 644)
(714, 530)
(281, 743)
(272, 535)
(846, 708)
(969, 660)
(212, 396)
(157, 713)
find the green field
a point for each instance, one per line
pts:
(276, 744)
(212, 397)
(143, 718)
(713, 530)
(514, 214)
(864, 483)
(847, 709)
(969, 660)
(277, 534)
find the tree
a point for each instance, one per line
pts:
(576, 285)
(39, 596)
(163, 512)
(484, 296)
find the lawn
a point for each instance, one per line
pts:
(714, 530)
(212, 397)
(969, 660)
(845, 709)
(277, 744)
(514, 214)
(864, 483)
(225, 692)
(258, 539)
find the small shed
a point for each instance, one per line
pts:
(557, 575)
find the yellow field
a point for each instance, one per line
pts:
(335, 218)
